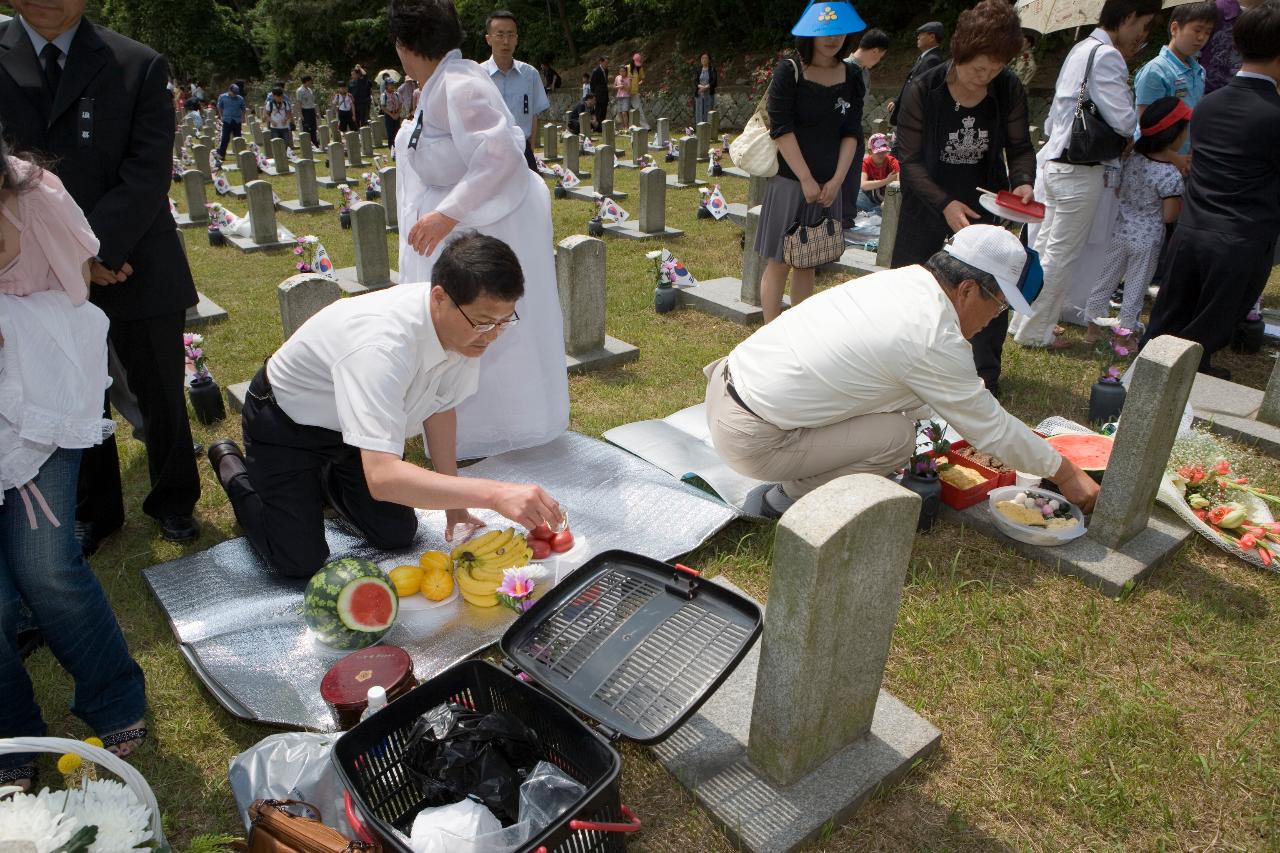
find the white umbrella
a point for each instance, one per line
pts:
(395, 75)
(1049, 16)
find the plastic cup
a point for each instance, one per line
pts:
(1025, 481)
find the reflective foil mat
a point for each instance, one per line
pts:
(241, 629)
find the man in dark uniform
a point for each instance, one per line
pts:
(929, 42)
(361, 93)
(95, 103)
(599, 84)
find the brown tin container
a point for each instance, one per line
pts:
(345, 687)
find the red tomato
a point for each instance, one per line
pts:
(541, 548)
(542, 532)
(562, 541)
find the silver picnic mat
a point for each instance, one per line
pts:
(240, 626)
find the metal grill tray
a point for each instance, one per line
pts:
(633, 643)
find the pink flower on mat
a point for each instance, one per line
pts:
(516, 583)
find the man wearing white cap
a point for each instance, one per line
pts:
(825, 389)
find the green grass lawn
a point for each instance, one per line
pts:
(1069, 721)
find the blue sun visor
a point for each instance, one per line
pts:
(836, 18)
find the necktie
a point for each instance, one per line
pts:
(49, 57)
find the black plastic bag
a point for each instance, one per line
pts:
(454, 753)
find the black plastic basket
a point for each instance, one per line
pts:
(369, 759)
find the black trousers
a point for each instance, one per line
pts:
(1212, 281)
(393, 127)
(292, 469)
(151, 353)
(346, 121)
(602, 107)
(309, 124)
(528, 155)
(229, 129)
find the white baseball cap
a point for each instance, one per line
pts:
(996, 251)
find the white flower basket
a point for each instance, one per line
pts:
(102, 758)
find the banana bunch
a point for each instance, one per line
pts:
(481, 562)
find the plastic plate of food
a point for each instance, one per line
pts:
(1035, 516)
(1008, 206)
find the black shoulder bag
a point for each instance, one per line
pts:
(1093, 141)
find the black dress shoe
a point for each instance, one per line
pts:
(182, 529)
(197, 447)
(90, 536)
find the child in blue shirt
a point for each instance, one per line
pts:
(1176, 73)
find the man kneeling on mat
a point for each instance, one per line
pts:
(823, 390)
(327, 416)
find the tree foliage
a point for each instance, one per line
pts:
(199, 37)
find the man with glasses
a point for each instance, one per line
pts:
(519, 82)
(327, 416)
(826, 389)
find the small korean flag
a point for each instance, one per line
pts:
(609, 210)
(680, 275)
(221, 184)
(588, 147)
(322, 264)
(716, 204)
(263, 163)
(568, 179)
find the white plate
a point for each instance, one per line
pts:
(988, 201)
(1034, 535)
(418, 602)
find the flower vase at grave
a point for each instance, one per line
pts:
(703, 213)
(665, 297)
(1106, 399)
(929, 488)
(206, 400)
(716, 170)
(1249, 335)
(560, 191)
(370, 194)
(595, 227)
(216, 237)
(344, 217)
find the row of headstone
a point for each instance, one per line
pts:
(686, 175)
(580, 279)
(602, 177)
(372, 269)
(652, 222)
(736, 299)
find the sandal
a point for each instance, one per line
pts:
(124, 743)
(23, 777)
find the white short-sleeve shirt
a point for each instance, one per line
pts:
(522, 91)
(372, 368)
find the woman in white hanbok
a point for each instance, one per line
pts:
(460, 167)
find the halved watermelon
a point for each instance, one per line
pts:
(1090, 452)
(350, 604)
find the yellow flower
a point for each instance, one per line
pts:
(69, 763)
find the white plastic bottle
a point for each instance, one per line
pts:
(377, 701)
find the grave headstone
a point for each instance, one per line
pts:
(322, 134)
(1269, 412)
(550, 143)
(581, 284)
(262, 212)
(703, 135)
(603, 177)
(571, 155)
(305, 151)
(354, 157)
(664, 134)
(308, 192)
(279, 155)
(372, 269)
(379, 130)
(366, 140)
(890, 209)
(568, 117)
(687, 166)
(259, 136)
(179, 139)
(821, 736)
(337, 166)
(755, 196)
(387, 174)
(652, 222)
(200, 152)
(248, 167)
(238, 144)
(301, 296)
(193, 188)
(639, 144)
(713, 122)
(736, 299)
(606, 133)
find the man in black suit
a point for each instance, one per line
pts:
(1221, 253)
(361, 93)
(599, 84)
(95, 103)
(929, 42)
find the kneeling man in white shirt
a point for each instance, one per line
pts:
(823, 390)
(327, 416)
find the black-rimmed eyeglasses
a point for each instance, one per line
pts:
(486, 327)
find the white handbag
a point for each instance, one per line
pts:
(754, 150)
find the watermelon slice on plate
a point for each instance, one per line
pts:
(350, 604)
(1089, 451)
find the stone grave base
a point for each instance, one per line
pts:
(630, 230)
(351, 286)
(246, 244)
(236, 394)
(1110, 570)
(854, 262)
(719, 296)
(613, 353)
(184, 221)
(737, 213)
(239, 192)
(295, 205)
(204, 312)
(675, 183)
(708, 755)
(273, 172)
(330, 183)
(586, 192)
(1231, 410)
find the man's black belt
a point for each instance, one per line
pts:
(733, 392)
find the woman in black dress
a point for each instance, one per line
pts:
(964, 125)
(815, 110)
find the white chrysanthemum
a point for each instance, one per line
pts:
(38, 819)
(123, 823)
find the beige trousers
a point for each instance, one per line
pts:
(803, 459)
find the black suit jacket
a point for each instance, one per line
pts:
(1234, 183)
(931, 58)
(109, 134)
(599, 83)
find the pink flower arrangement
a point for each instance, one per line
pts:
(516, 590)
(196, 358)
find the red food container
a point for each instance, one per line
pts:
(345, 687)
(965, 498)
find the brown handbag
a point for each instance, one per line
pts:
(292, 826)
(807, 246)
